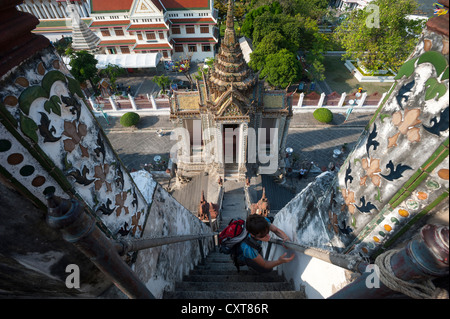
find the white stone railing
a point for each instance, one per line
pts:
(148, 105)
(360, 101)
(380, 77)
(144, 105)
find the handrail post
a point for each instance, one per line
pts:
(202, 253)
(80, 229)
(269, 246)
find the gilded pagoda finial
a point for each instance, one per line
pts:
(230, 15)
(230, 34)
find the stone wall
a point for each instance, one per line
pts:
(306, 220)
(394, 179)
(160, 267)
(398, 171)
(50, 142)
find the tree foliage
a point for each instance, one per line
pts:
(240, 10)
(282, 28)
(323, 115)
(112, 71)
(270, 44)
(162, 81)
(84, 67)
(386, 44)
(281, 68)
(273, 33)
(129, 119)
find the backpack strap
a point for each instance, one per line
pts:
(249, 240)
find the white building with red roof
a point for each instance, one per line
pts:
(177, 29)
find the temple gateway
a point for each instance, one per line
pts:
(232, 125)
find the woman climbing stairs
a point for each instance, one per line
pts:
(218, 278)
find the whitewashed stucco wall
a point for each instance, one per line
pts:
(302, 220)
(160, 267)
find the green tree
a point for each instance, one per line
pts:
(205, 69)
(281, 68)
(84, 68)
(382, 39)
(62, 46)
(275, 32)
(112, 71)
(314, 9)
(221, 7)
(270, 44)
(248, 24)
(162, 81)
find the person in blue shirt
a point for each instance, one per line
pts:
(258, 228)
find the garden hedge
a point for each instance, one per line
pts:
(129, 119)
(323, 115)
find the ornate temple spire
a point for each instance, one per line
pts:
(82, 37)
(230, 68)
(230, 33)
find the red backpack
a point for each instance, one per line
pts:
(233, 234)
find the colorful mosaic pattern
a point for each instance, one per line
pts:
(50, 141)
(398, 171)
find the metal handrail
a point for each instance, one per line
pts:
(80, 229)
(350, 262)
(124, 246)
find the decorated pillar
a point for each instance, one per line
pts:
(398, 171)
(220, 160)
(243, 141)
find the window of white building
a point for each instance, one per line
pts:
(190, 29)
(192, 47)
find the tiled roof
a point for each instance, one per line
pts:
(110, 5)
(153, 46)
(146, 27)
(117, 42)
(186, 4)
(56, 25)
(193, 21)
(125, 5)
(110, 23)
(194, 40)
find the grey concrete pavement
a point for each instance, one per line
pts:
(311, 140)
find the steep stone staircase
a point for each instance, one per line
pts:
(218, 278)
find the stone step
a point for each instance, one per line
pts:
(231, 286)
(235, 191)
(219, 266)
(235, 201)
(219, 259)
(217, 272)
(245, 295)
(235, 277)
(227, 218)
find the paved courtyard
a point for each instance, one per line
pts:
(310, 140)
